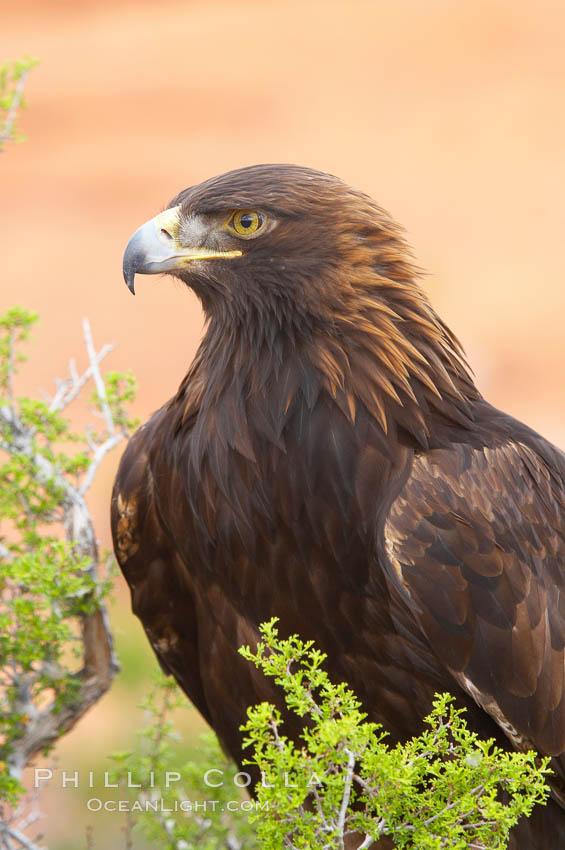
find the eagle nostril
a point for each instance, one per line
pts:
(166, 233)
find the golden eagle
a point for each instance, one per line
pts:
(328, 459)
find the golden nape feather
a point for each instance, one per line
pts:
(329, 460)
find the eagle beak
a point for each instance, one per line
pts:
(155, 248)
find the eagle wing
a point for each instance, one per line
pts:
(475, 543)
(158, 578)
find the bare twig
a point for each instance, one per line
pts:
(5, 553)
(99, 456)
(22, 840)
(97, 377)
(11, 362)
(70, 388)
(17, 825)
(6, 131)
(128, 827)
(100, 665)
(366, 843)
(348, 782)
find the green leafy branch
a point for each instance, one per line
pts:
(341, 782)
(339, 785)
(56, 651)
(13, 77)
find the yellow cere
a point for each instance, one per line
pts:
(167, 224)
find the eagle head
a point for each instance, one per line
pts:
(293, 266)
(275, 240)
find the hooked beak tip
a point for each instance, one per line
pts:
(132, 262)
(129, 277)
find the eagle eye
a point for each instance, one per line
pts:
(246, 222)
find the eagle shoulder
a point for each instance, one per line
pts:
(475, 544)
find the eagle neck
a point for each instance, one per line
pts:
(397, 361)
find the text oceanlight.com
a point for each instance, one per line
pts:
(95, 804)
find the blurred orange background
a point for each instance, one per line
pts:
(451, 114)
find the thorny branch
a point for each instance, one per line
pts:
(97, 377)
(11, 363)
(69, 388)
(10, 832)
(6, 131)
(366, 843)
(46, 725)
(22, 840)
(348, 783)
